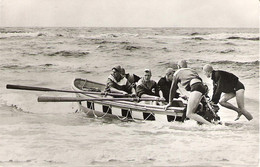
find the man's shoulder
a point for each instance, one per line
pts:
(222, 72)
(140, 82)
(153, 82)
(162, 80)
(136, 75)
(181, 70)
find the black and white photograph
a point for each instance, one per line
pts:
(96, 83)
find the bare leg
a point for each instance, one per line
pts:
(241, 104)
(193, 103)
(223, 102)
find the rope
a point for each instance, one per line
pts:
(129, 111)
(93, 110)
(126, 117)
(141, 120)
(175, 117)
(109, 107)
(78, 107)
(91, 107)
(84, 84)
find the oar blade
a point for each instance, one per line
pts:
(21, 87)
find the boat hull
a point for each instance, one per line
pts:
(123, 110)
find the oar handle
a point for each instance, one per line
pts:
(78, 99)
(33, 88)
(209, 105)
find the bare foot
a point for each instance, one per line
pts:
(217, 122)
(238, 116)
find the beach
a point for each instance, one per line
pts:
(53, 134)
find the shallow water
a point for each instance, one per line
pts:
(52, 134)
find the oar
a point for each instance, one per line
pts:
(78, 99)
(209, 105)
(33, 88)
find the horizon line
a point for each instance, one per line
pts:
(118, 27)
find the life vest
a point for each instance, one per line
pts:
(122, 82)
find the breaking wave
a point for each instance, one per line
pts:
(69, 54)
(80, 70)
(26, 33)
(130, 47)
(244, 38)
(197, 33)
(230, 43)
(198, 38)
(251, 63)
(14, 66)
(3, 31)
(227, 51)
(104, 42)
(47, 65)
(18, 34)
(217, 51)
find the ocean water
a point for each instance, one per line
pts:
(52, 134)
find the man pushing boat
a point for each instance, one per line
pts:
(191, 81)
(229, 84)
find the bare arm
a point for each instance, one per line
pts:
(173, 90)
(217, 89)
(114, 90)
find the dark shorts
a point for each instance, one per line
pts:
(198, 87)
(239, 86)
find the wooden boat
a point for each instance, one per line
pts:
(124, 110)
(96, 103)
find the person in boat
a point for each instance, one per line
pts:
(165, 84)
(148, 88)
(190, 80)
(228, 84)
(119, 84)
(132, 78)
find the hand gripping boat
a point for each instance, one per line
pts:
(126, 110)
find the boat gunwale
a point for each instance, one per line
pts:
(131, 105)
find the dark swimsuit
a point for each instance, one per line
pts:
(198, 87)
(239, 86)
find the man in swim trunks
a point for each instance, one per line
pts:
(229, 84)
(191, 81)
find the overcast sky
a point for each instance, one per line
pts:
(130, 13)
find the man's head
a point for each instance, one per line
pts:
(207, 70)
(182, 64)
(169, 74)
(147, 74)
(116, 71)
